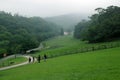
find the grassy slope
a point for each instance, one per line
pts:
(62, 44)
(97, 65)
(15, 60)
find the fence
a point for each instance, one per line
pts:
(80, 50)
(86, 49)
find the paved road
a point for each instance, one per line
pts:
(13, 66)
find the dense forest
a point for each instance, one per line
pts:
(102, 26)
(18, 33)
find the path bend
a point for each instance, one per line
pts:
(13, 66)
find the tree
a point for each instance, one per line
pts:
(103, 26)
(18, 33)
(62, 31)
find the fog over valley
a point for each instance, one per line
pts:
(49, 8)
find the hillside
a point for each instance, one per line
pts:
(67, 21)
(63, 45)
(19, 33)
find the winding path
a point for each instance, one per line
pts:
(26, 56)
(13, 66)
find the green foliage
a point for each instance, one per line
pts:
(18, 33)
(103, 26)
(81, 29)
(2, 51)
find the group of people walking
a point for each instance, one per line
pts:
(39, 58)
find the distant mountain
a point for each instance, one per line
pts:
(67, 21)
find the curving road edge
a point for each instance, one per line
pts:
(13, 66)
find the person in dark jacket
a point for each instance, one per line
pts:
(29, 59)
(45, 57)
(33, 59)
(39, 58)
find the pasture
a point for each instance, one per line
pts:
(64, 45)
(96, 65)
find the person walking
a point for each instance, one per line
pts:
(33, 59)
(39, 58)
(29, 59)
(45, 57)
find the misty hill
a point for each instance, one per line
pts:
(67, 21)
(18, 33)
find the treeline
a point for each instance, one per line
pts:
(103, 26)
(18, 33)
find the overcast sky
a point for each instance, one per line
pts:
(47, 8)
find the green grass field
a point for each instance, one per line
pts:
(7, 62)
(67, 44)
(96, 65)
